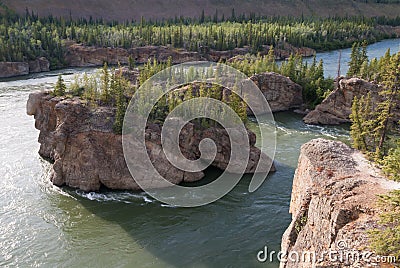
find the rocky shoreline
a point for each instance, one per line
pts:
(12, 69)
(78, 55)
(333, 205)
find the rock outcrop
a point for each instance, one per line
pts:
(78, 55)
(336, 108)
(11, 69)
(88, 154)
(333, 205)
(39, 65)
(84, 56)
(281, 93)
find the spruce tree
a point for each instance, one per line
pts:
(60, 87)
(105, 84)
(391, 163)
(120, 104)
(357, 131)
(354, 63)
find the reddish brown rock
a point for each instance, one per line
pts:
(281, 93)
(39, 65)
(333, 204)
(10, 69)
(78, 55)
(88, 154)
(336, 108)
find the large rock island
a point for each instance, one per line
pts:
(87, 154)
(333, 206)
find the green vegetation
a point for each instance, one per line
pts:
(28, 37)
(310, 77)
(391, 162)
(375, 132)
(358, 58)
(112, 89)
(60, 87)
(373, 129)
(386, 240)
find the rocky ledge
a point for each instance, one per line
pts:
(79, 55)
(333, 204)
(336, 108)
(11, 69)
(87, 154)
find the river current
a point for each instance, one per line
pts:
(45, 226)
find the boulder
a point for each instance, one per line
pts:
(281, 93)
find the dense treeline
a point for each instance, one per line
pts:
(28, 37)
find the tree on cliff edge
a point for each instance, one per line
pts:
(60, 87)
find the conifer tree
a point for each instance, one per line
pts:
(120, 104)
(357, 131)
(131, 62)
(391, 94)
(391, 162)
(105, 84)
(60, 87)
(354, 63)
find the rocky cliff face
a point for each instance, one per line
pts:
(39, 65)
(281, 93)
(83, 56)
(11, 69)
(87, 154)
(336, 108)
(333, 205)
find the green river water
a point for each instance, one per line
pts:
(44, 226)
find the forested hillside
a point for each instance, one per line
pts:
(128, 9)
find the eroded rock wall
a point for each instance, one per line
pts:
(333, 204)
(336, 108)
(87, 154)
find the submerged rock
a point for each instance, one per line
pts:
(88, 154)
(333, 204)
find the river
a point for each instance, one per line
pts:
(44, 226)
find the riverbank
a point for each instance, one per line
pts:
(78, 55)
